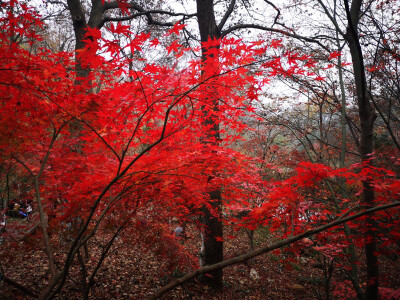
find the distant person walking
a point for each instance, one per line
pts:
(178, 231)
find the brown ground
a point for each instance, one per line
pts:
(134, 272)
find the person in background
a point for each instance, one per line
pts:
(3, 221)
(178, 231)
(28, 210)
(16, 206)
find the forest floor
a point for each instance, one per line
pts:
(136, 271)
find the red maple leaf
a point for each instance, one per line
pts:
(142, 37)
(154, 42)
(373, 68)
(276, 44)
(177, 27)
(173, 47)
(93, 33)
(212, 43)
(334, 54)
(120, 29)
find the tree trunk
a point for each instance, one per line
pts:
(80, 26)
(353, 273)
(213, 248)
(367, 117)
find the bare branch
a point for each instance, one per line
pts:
(278, 12)
(332, 18)
(142, 12)
(149, 17)
(20, 287)
(227, 15)
(259, 27)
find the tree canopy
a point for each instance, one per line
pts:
(247, 121)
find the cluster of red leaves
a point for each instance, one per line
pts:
(143, 145)
(143, 138)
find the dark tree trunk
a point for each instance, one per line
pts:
(80, 26)
(213, 248)
(367, 117)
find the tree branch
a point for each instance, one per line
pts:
(227, 15)
(19, 286)
(333, 20)
(268, 248)
(255, 26)
(149, 17)
(278, 12)
(142, 12)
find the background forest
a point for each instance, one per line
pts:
(199, 149)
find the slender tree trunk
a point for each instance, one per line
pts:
(213, 247)
(352, 254)
(43, 226)
(80, 26)
(367, 117)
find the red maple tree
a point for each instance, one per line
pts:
(123, 148)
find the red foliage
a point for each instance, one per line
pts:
(139, 145)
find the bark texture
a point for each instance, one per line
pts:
(367, 117)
